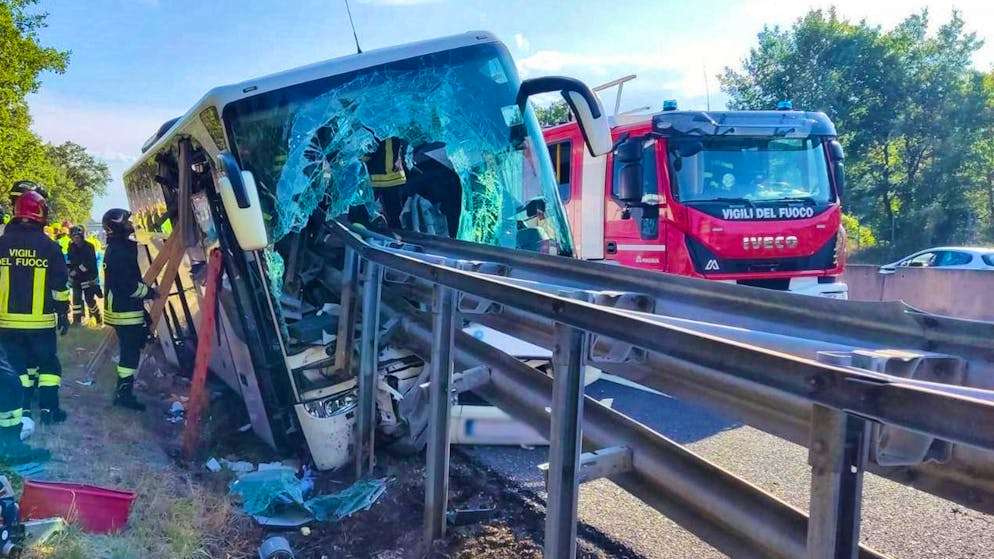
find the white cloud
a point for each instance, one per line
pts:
(521, 42)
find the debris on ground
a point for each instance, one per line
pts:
(29, 469)
(276, 547)
(276, 496)
(265, 492)
(27, 427)
(359, 496)
(213, 465)
(176, 413)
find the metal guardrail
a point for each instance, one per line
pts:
(779, 321)
(728, 512)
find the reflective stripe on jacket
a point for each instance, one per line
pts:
(125, 290)
(33, 279)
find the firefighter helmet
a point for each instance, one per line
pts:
(20, 187)
(117, 222)
(31, 206)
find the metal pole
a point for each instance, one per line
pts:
(345, 340)
(838, 455)
(437, 484)
(564, 443)
(368, 361)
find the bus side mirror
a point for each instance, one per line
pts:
(837, 155)
(629, 157)
(240, 198)
(582, 101)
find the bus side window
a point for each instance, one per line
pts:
(561, 154)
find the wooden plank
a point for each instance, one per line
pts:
(205, 342)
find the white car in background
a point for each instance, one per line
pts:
(950, 258)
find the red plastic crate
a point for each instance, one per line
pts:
(94, 509)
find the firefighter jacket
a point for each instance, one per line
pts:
(385, 164)
(82, 262)
(125, 290)
(33, 279)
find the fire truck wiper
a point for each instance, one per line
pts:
(745, 201)
(806, 199)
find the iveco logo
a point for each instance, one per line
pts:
(780, 242)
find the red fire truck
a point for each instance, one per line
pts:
(751, 197)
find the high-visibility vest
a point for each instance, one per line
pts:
(382, 164)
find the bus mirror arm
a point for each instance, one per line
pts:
(240, 198)
(582, 102)
(230, 169)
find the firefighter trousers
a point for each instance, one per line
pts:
(10, 399)
(131, 339)
(36, 348)
(87, 291)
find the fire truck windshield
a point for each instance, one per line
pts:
(751, 169)
(442, 126)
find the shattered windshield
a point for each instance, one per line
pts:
(755, 169)
(433, 143)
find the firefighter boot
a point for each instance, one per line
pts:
(95, 315)
(48, 400)
(124, 396)
(14, 452)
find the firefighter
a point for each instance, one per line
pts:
(83, 276)
(124, 307)
(20, 187)
(388, 176)
(34, 302)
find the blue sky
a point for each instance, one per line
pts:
(137, 63)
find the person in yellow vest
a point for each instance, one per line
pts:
(63, 239)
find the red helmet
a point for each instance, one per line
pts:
(31, 206)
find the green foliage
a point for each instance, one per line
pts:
(914, 117)
(79, 178)
(553, 114)
(71, 176)
(860, 237)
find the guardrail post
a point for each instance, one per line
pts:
(368, 361)
(345, 340)
(565, 443)
(838, 453)
(440, 406)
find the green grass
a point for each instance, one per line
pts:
(173, 517)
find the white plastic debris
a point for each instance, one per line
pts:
(245, 428)
(270, 466)
(213, 465)
(177, 407)
(27, 427)
(239, 467)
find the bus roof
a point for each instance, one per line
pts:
(220, 96)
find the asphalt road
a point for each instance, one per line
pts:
(897, 520)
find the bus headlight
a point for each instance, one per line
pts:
(333, 405)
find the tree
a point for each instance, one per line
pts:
(79, 179)
(555, 113)
(22, 60)
(908, 106)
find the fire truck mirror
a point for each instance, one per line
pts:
(838, 167)
(629, 156)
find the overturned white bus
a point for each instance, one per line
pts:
(268, 162)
